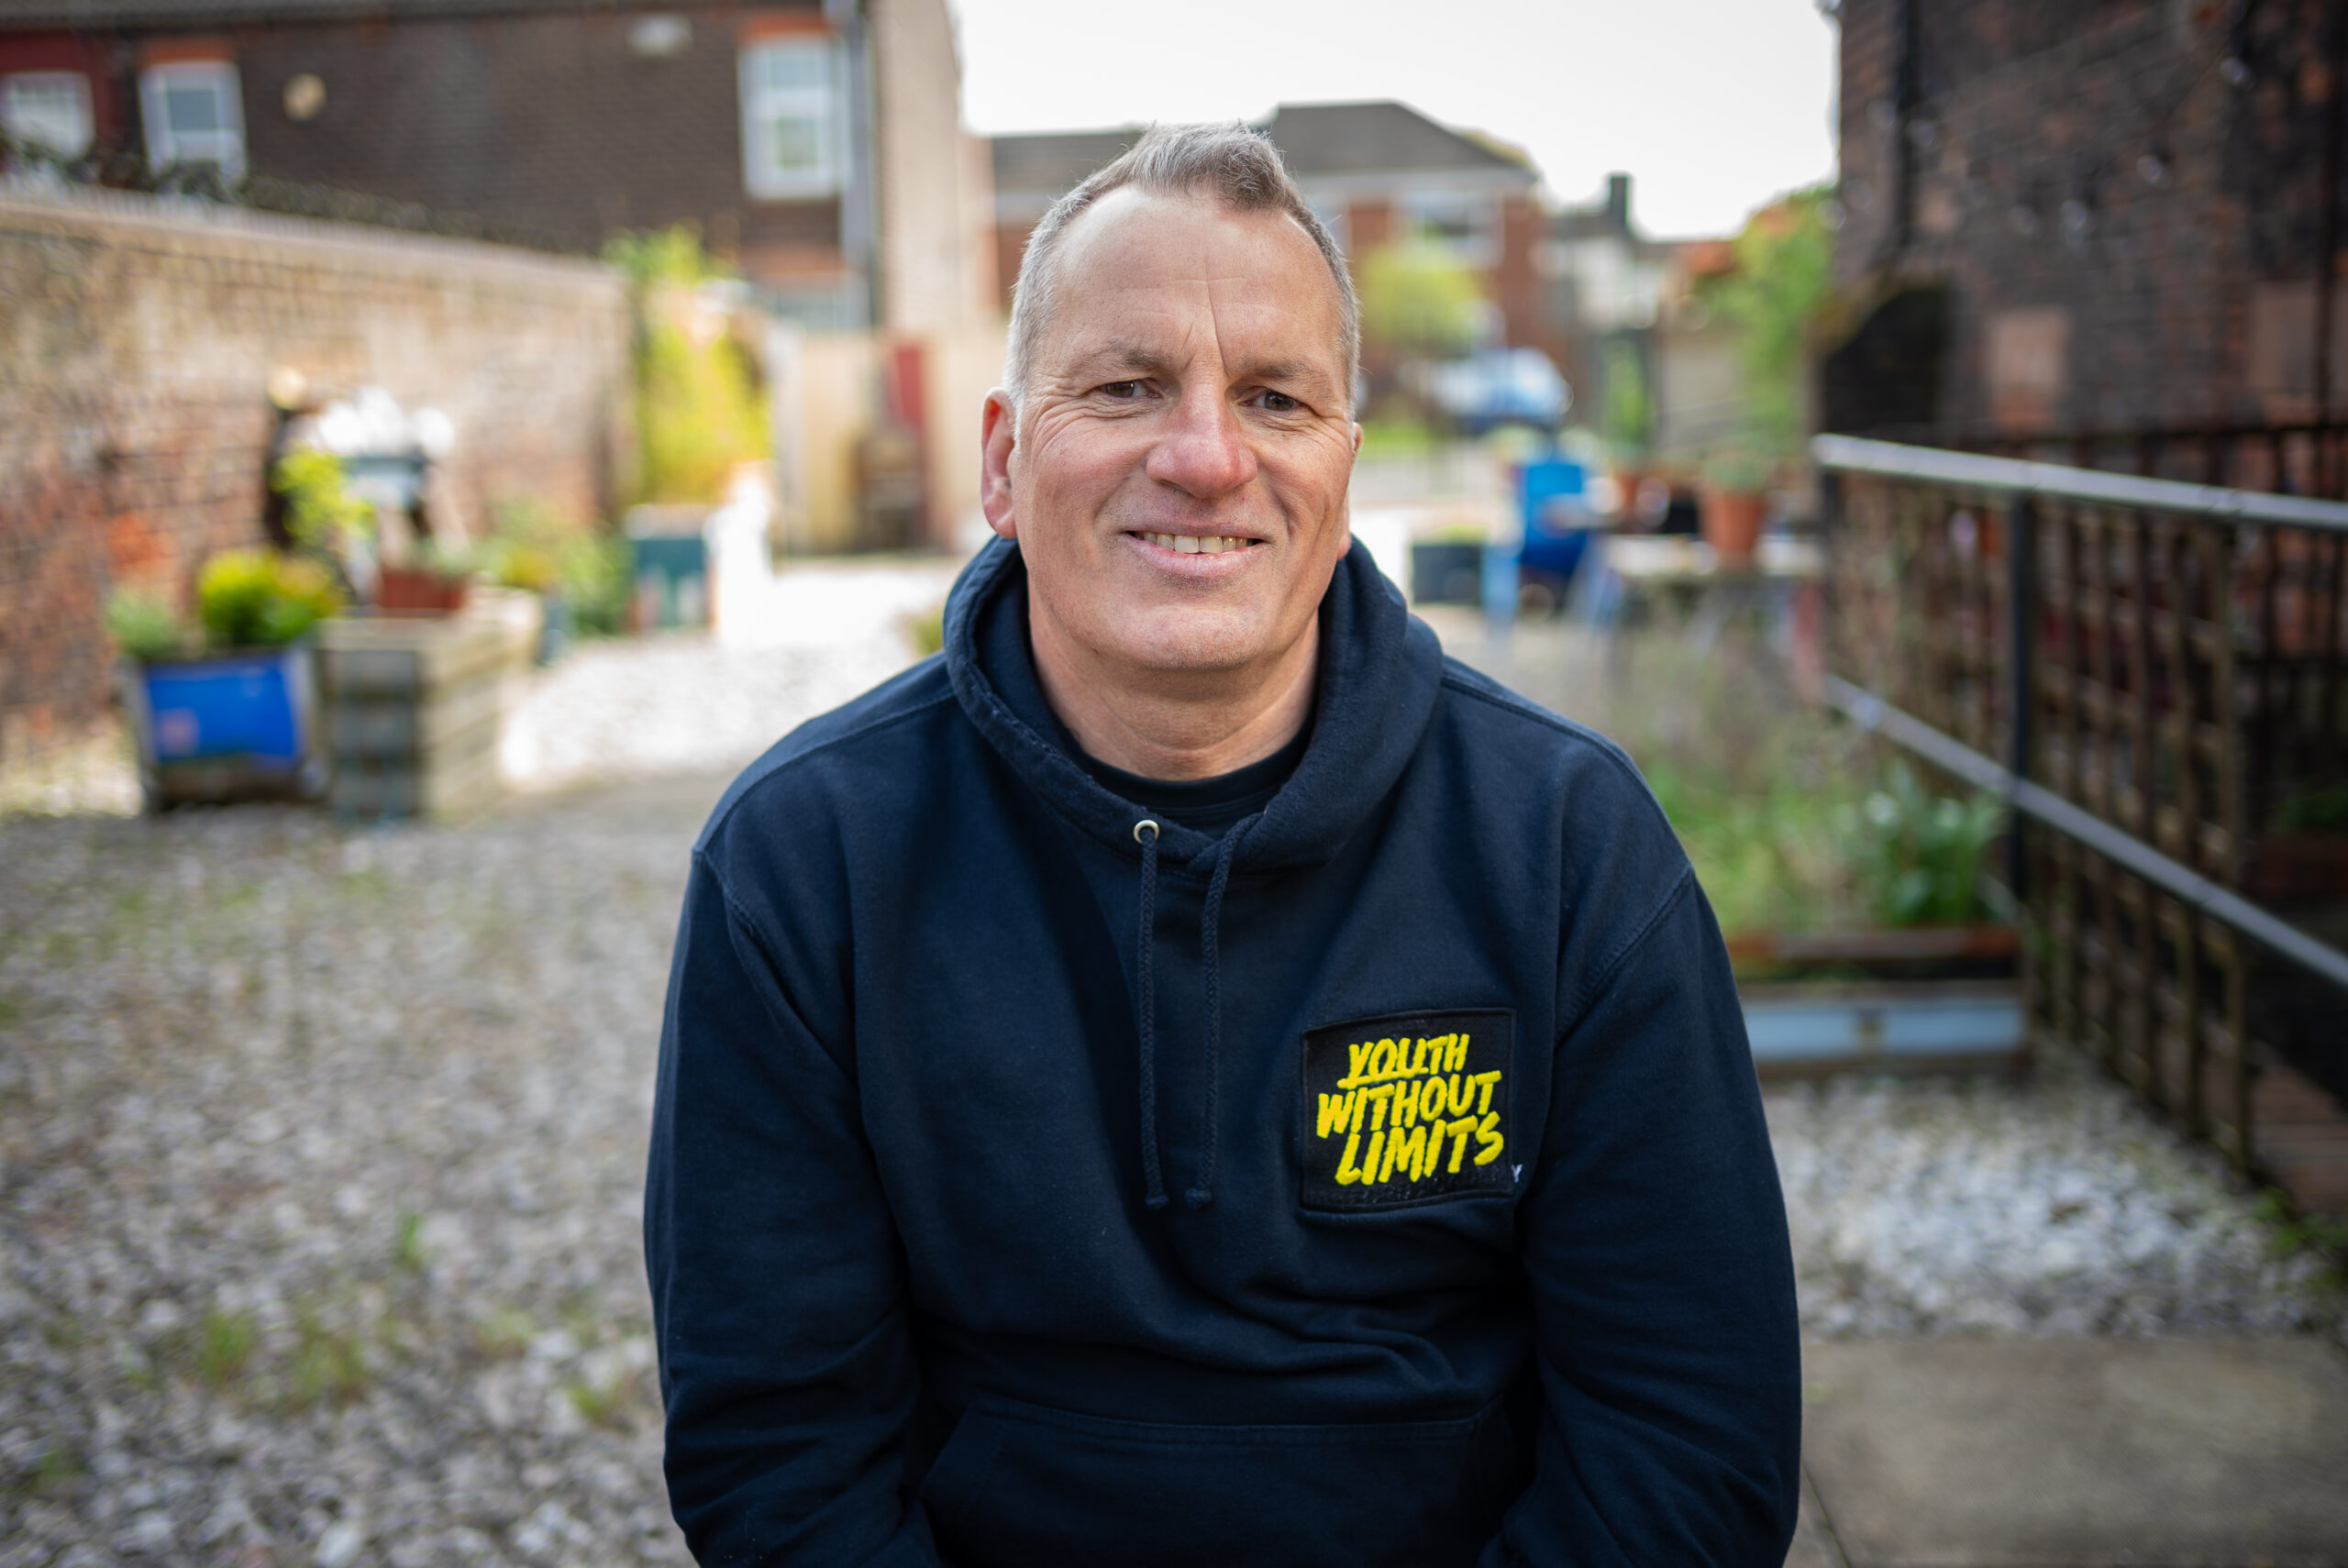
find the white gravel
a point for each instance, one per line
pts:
(320, 1152)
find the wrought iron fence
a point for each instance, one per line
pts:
(2150, 672)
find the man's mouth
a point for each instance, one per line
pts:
(1195, 544)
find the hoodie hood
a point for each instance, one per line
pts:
(1381, 671)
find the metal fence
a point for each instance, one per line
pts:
(2151, 672)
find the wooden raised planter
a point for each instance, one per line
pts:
(1923, 998)
(415, 704)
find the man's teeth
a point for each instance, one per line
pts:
(1191, 545)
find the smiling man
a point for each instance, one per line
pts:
(1190, 1076)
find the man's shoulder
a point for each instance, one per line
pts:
(810, 765)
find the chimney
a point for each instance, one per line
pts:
(1618, 201)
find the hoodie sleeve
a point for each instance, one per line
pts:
(1654, 1237)
(778, 1297)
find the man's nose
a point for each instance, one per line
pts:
(1204, 451)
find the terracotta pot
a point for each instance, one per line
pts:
(1733, 522)
(412, 590)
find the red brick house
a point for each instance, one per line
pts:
(816, 142)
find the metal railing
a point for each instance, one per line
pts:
(2149, 673)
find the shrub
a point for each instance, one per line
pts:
(1919, 855)
(699, 407)
(262, 599)
(320, 512)
(145, 625)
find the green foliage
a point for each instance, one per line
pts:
(320, 511)
(1768, 859)
(2318, 811)
(699, 408)
(225, 1343)
(145, 625)
(1396, 438)
(330, 1365)
(1418, 300)
(407, 1243)
(1628, 417)
(262, 599)
(1785, 267)
(926, 631)
(1919, 855)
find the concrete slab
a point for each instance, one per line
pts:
(2080, 1453)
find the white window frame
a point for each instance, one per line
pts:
(223, 146)
(14, 117)
(824, 103)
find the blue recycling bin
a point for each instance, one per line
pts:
(1552, 497)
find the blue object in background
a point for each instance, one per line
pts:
(671, 573)
(244, 708)
(1552, 501)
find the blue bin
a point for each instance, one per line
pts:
(232, 727)
(1552, 502)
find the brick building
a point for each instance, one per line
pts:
(817, 142)
(1374, 171)
(2112, 216)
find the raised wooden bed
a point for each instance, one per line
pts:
(415, 705)
(1926, 998)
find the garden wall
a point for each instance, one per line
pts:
(138, 337)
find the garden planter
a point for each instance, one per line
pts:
(1732, 522)
(415, 705)
(240, 726)
(1923, 999)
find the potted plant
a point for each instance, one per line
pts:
(1735, 503)
(228, 709)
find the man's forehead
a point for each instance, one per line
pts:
(1140, 266)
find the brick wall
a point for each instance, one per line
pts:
(136, 340)
(2119, 219)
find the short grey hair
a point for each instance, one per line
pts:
(1236, 165)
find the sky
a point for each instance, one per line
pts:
(1713, 106)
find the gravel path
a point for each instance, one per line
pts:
(320, 1152)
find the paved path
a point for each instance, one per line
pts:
(2075, 1454)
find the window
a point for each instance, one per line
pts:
(1467, 225)
(49, 109)
(793, 139)
(194, 115)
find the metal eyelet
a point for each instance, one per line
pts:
(1145, 822)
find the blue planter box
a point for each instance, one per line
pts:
(232, 726)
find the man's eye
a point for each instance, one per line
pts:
(1121, 390)
(1281, 402)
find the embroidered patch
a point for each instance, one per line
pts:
(1406, 1107)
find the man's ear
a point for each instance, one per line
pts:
(995, 444)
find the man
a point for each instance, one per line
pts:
(1189, 1076)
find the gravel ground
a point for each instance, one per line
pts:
(320, 1152)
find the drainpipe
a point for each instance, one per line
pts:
(859, 205)
(1906, 92)
(2327, 475)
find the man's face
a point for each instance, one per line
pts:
(1177, 483)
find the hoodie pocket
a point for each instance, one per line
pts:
(1021, 1484)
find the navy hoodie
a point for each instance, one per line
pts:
(1381, 1182)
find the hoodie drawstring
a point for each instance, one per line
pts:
(1153, 1183)
(1202, 1192)
(1211, 961)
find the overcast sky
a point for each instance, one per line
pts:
(1712, 106)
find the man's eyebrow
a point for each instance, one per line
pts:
(1122, 356)
(1291, 370)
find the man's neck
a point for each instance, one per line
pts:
(1190, 725)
